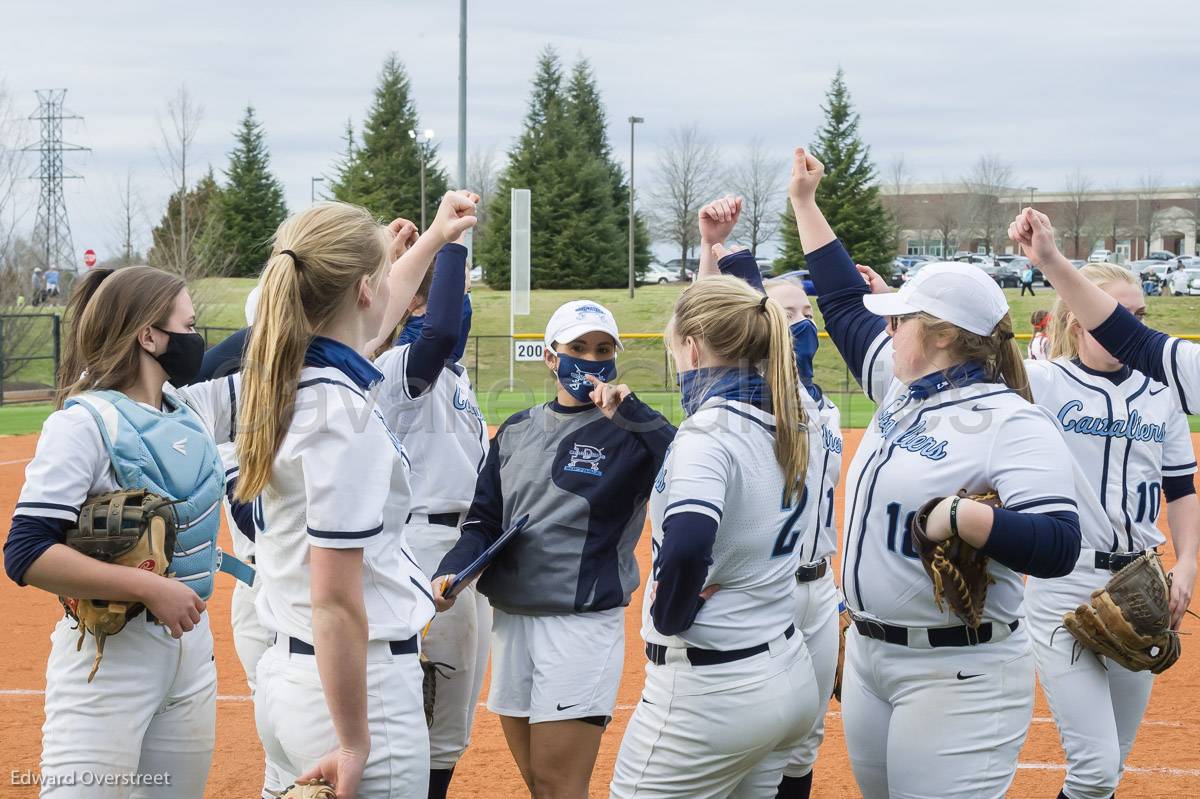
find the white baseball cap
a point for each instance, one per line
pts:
(959, 293)
(575, 318)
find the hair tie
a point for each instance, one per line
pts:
(762, 304)
(295, 258)
(1006, 335)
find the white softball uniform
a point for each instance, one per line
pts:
(722, 465)
(340, 480)
(817, 598)
(1126, 433)
(945, 721)
(446, 434)
(100, 733)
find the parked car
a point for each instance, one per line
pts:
(1005, 276)
(766, 267)
(476, 274)
(1193, 281)
(1078, 264)
(1006, 258)
(692, 266)
(1161, 255)
(660, 274)
(1099, 256)
(1019, 263)
(976, 258)
(803, 276)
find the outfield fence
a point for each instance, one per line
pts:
(31, 347)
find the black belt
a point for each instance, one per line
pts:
(812, 571)
(443, 519)
(409, 647)
(938, 636)
(657, 653)
(1115, 561)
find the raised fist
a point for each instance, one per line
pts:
(807, 172)
(718, 218)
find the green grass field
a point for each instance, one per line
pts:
(644, 364)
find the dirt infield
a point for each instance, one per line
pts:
(1165, 760)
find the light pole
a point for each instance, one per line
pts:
(422, 139)
(1031, 190)
(312, 194)
(633, 121)
(462, 94)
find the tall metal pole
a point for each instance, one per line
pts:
(462, 94)
(422, 191)
(632, 276)
(312, 194)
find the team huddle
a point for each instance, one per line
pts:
(1000, 519)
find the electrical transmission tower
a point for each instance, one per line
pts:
(52, 232)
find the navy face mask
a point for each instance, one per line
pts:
(573, 372)
(805, 343)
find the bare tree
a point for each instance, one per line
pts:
(1145, 207)
(898, 182)
(178, 135)
(987, 183)
(1076, 219)
(128, 222)
(759, 180)
(483, 177)
(686, 176)
(12, 159)
(943, 216)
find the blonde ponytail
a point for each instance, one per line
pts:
(319, 255)
(1063, 343)
(738, 324)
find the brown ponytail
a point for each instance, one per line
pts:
(318, 256)
(107, 311)
(739, 324)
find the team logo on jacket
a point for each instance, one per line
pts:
(585, 459)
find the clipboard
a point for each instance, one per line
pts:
(460, 580)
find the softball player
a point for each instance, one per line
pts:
(338, 694)
(427, 398)
(718, 611)
(931, 707)
(817, 598)
(582, 466)
(1127, 433)
(150, 713)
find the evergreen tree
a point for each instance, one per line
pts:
(848, 195)
(576, 238)
(586, 111)
(250, 206)
(383, 173)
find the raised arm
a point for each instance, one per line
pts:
(1117, 330)
(411, 258)
(859, 335)
(443, 316)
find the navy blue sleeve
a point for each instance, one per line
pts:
(224, 358)
(464, 331)
(681, 567)
(485, 519)
(649, 426)
(840, 289)
(1038, 544)
(1178, 487)
(443, 317)
(1133, 344)
(28, 538)
(741, 264)
(242, 512)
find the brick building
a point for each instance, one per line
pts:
(940, 219)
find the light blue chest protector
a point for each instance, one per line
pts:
(170, 453)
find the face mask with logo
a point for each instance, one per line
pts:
(573, 372)
(182, 358)
(805, 343)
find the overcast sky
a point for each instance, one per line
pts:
(1109, 87)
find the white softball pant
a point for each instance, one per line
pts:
(144, 727)
(457, 642)
(721, 730)
(1097, 704)
(817, 620)
(296, 730)
(947, 722)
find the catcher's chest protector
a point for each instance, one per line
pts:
(169, 453)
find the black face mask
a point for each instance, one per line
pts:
(182, 358)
